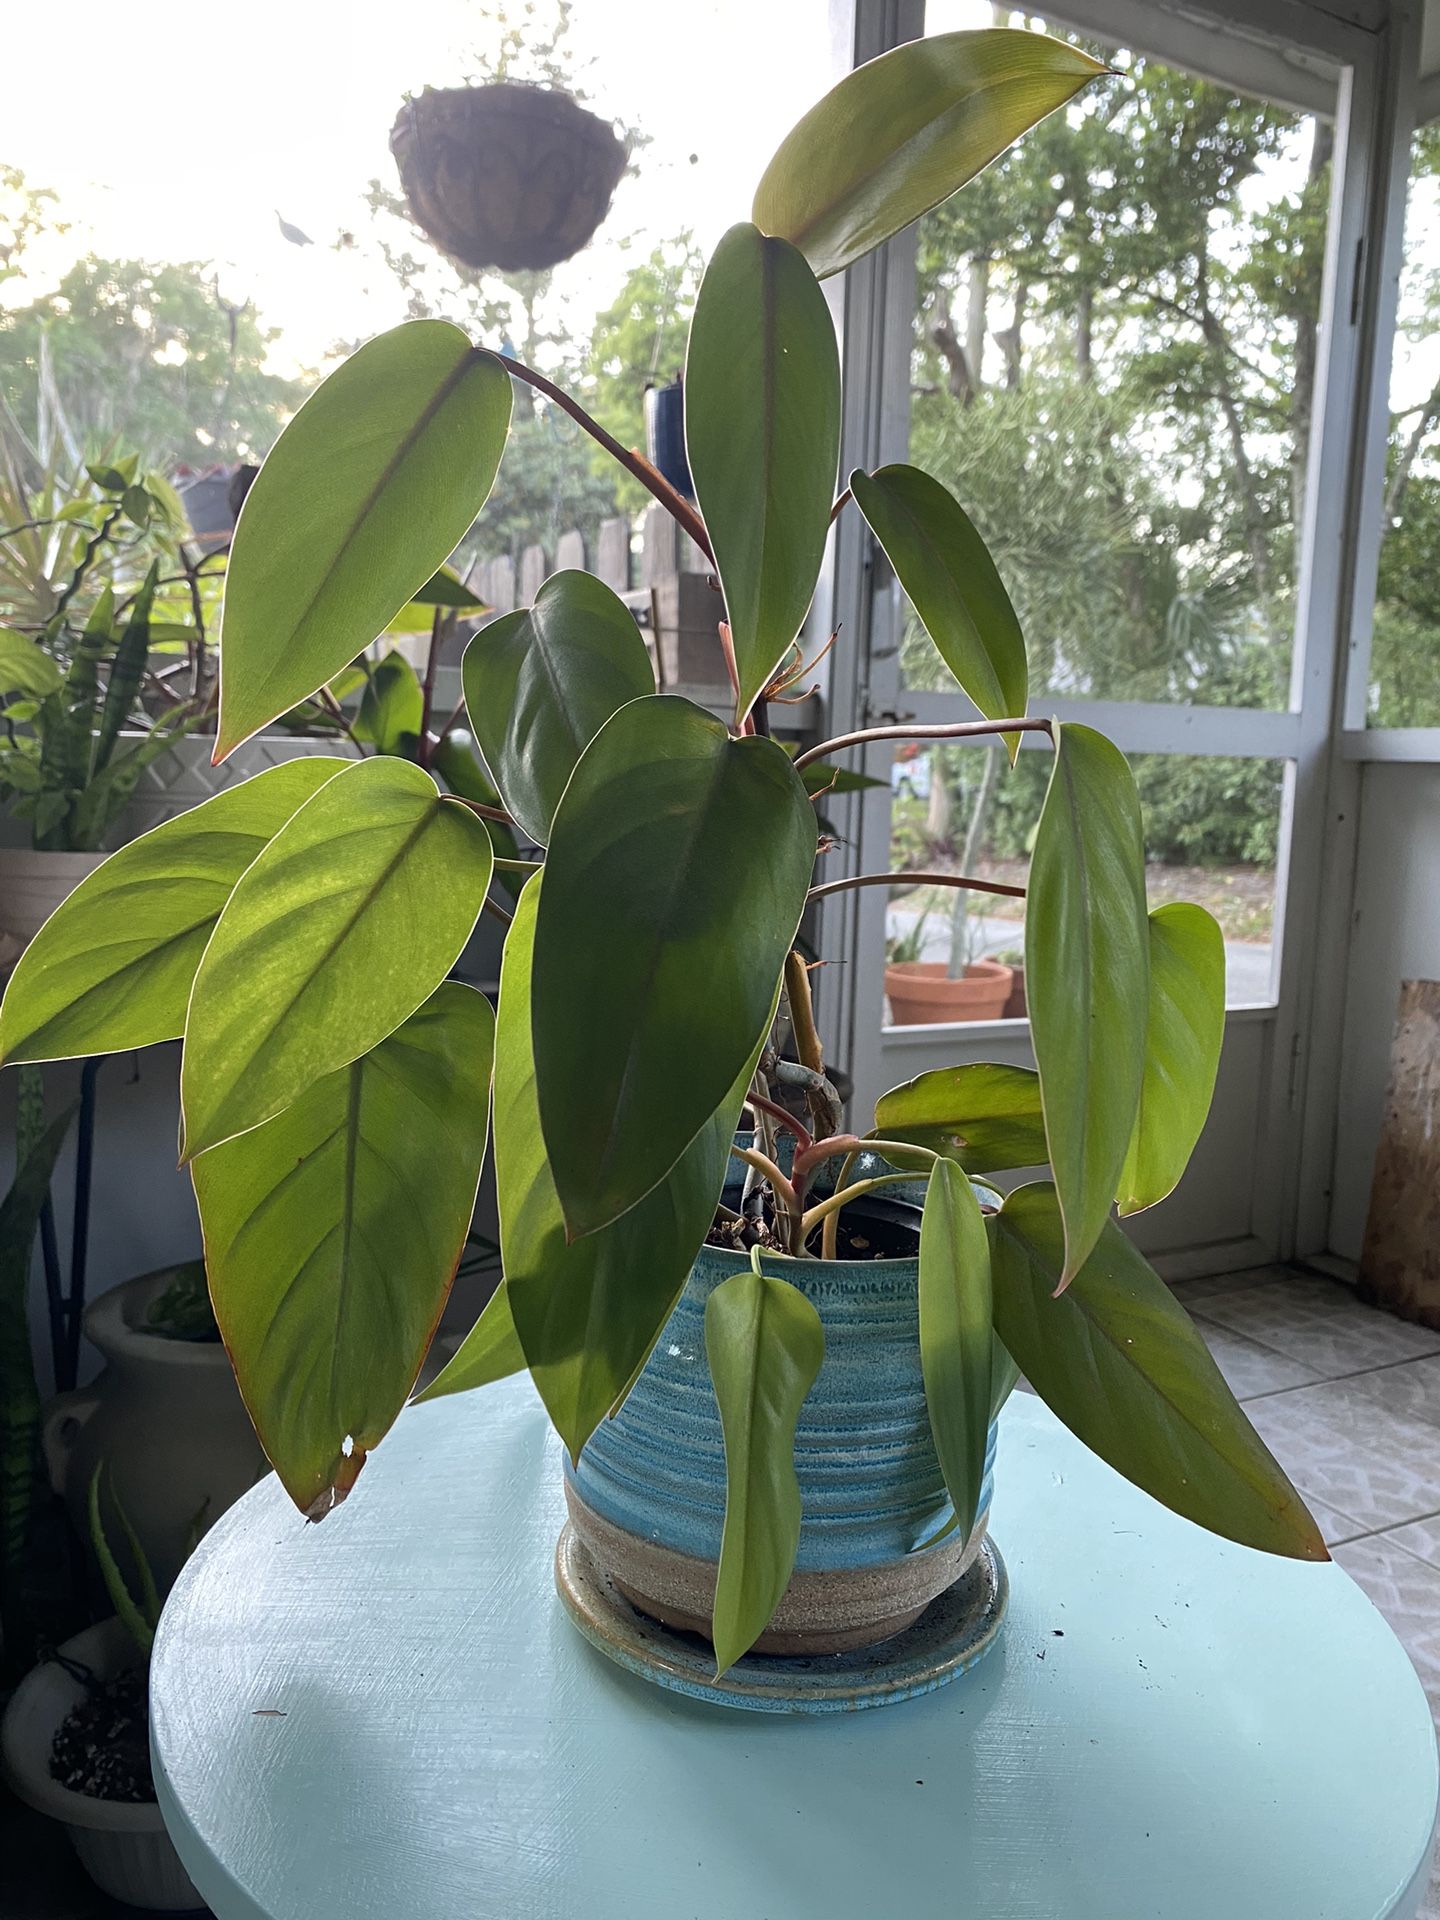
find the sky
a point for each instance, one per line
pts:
(186, 128)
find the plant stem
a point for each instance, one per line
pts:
(839, 507)
(802, 1012)
(784, 1116)
(500, 913)
(486, 813)
(655, 483)
(763, 1164)
(908, 730)
(829, 1208)
(916, 879)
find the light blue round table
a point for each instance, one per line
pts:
(388, 1717)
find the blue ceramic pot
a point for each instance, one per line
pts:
(648, 1496)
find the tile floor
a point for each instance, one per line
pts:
(1348, 1399)
(1346, 1396)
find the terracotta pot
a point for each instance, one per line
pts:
(1016, 1007)
(166, 1419)
(508, 176)
(921, 994)
(122, 1844)
(32, 886)
(647, 1498)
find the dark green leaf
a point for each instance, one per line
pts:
(1117, 1358)
(113, 966)
(127, 670)
(762, 431)
(588, 1311)
(1087, 976)
(25, 667)
(765, 1345)
(490, 1351)
(678, 866)
(1183, 1037)
(458, 765)
(540, 683)
(900, 134)
(955, 1338)
(19, 1395)
(347, 921)
(392, 707)
(984, 1116)
(332, 1234)
(108, 479)
(108, 794)
(365, 493)
(138, 506)
(945, 567)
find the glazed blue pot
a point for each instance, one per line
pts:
(647, 1499)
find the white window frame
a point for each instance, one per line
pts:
(1356, 60)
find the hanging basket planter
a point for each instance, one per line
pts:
(508, 176)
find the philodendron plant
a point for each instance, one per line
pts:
(298, 931)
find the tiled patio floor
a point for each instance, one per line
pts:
(1348, 1399)
(1346, 1396)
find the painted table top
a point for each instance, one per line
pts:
(388, 1717)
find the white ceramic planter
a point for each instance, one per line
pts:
(166, 1419)
(122, 1845)
(33, 884)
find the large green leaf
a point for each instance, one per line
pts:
(1119, 1360)
(956, 1343)
(588, 1311)
(113, 966)
(348, 920)
(25, 667)
(900, 134)
(945, 567)
(1087, 976)
(392, 707)
(365, 493)
(540, 683)
(765, 1345)
(984, 1116)
(1183, 1037)
(490, 1351)
(762, 432)
(332, 1234)
(678, 865)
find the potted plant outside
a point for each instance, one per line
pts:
(943, 993)
(335, 1099)
(74, 1744)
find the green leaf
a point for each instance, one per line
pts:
(108, 479)
(138, 506)
(821, 780)
(1087, 976)
(902, 133)
(945, 567)
(540, 684)
(1118, 1359)
(458, 765)
(588, 1311)
(108, 794)
(113, 966)
(25, 667)
(392, 708)
(332, 1234)
(762, 432)
(445, 588)
(19, 1394)
(365, 493)
(127, 670)
(1183, 1036)
(765, 1344)
(678, 866)
(130, 1615)
(490, 1351)
(983, 1116)
(955, 1339)
(346, 922)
